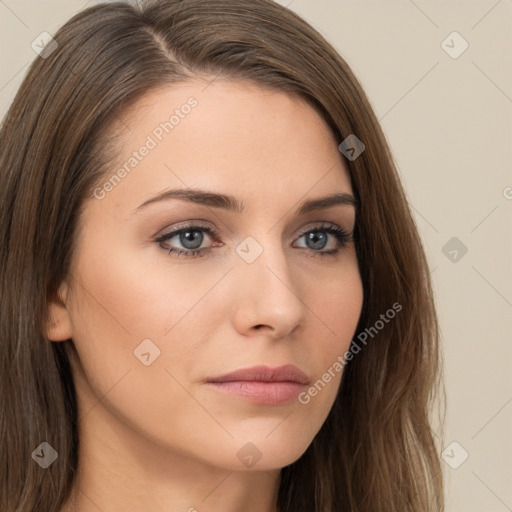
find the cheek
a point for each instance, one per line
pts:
(130, 295)
(133, 331)
(337, 308)
(131, 310)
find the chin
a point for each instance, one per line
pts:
(265, 454)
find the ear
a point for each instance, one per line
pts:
(59, 326)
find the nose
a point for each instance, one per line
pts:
(269, 298)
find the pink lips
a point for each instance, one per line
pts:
(261, 384)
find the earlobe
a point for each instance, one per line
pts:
(59, 326)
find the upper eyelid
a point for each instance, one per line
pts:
(212, 232)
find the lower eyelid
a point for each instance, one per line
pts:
(341, 238)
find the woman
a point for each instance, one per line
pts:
(214, 296)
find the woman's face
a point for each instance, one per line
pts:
(155, 315)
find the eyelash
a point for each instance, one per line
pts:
(340, 234)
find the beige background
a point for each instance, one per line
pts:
(449, 123)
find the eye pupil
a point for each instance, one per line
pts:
(318, 238)
(191, 236)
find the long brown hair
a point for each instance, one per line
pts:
(376, 452)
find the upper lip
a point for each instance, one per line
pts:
(262, 373)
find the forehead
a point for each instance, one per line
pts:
(234, 137)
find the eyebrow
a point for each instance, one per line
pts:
(231, 203)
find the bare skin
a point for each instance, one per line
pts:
(156, 437)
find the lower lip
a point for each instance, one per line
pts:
(264, 393)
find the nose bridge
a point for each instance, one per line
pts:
(263, 256)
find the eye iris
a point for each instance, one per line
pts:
(318, 238)
(193, 236)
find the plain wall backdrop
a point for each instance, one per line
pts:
(439, 76)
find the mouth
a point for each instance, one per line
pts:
(261, 384)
